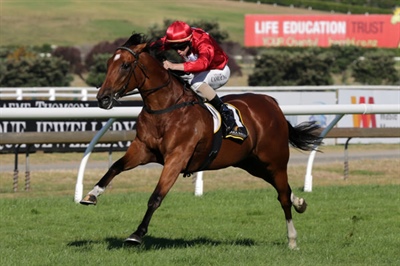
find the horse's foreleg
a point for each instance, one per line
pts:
(167, 179)
(135, 155)
(99, 188)
(152, 205)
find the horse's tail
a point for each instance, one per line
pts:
(305, 135)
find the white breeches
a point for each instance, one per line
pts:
(215, 78)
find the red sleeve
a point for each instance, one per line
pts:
(205, 50)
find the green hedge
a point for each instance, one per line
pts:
(317, 66)
(34, 72)
(284, 68)
(376, 68)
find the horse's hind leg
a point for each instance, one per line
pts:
(135, 155)
(299, 204)
(287, 198)
(279, 180)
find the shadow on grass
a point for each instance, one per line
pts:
(151, 243)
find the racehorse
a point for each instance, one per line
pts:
(176, 130)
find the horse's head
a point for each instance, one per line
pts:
(124, 74)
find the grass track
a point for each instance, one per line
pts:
(238, 221)
(352, 225)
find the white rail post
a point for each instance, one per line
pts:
(84, 95)
(52, 95)
(19, 94)
(198, 188)
(308, 178)
(89, 149)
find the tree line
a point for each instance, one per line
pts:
(44, 66)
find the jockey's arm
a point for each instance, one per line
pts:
(173, 66)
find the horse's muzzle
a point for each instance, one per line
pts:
(105, 102)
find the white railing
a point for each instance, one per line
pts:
(132, 112)
(89, 93)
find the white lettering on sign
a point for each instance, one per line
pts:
(314, 27)
(43, 104)
(266, 27)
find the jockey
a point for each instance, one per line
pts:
(208, 65)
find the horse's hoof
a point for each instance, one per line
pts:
(89, 200)
(292, 244)
(300, 205)
(133, 240)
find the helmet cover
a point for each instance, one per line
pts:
(178, 32)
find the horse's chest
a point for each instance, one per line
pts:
(186, 128)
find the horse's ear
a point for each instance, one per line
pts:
(139, 48)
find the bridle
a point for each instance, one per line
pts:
(119, 93)
(132, 72)
(146, 93)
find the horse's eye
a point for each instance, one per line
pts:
(125, 66)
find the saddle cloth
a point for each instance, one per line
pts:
(217, 117)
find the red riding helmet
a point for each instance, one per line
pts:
(178, 32)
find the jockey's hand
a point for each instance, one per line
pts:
(173, 66)
(168, 65)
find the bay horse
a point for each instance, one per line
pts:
(176, 130)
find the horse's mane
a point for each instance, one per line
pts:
(155, 48)
(152, 45)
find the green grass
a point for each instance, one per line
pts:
(76, 22)
(351, 225)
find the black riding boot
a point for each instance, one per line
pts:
(232, 130)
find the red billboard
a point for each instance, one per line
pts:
(323, 30)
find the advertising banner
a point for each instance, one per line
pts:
(370, 120)
(323, 30)
(62, 125)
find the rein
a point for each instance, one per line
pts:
(149, 91)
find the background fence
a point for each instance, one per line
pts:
(360, 107)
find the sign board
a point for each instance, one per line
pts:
(370, 120)
(62, 125)
(323, 30)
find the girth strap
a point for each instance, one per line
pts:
(216, 145)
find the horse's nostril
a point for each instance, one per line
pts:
(105, 102)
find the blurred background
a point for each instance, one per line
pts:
(66, 42)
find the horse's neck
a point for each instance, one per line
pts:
(170, 91)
